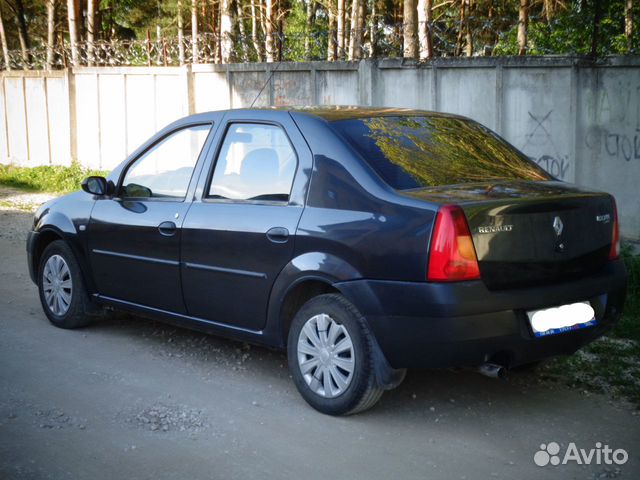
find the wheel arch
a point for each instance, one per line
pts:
(47, 234)
(307, 275)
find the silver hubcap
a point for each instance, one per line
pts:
(326, 356)
(57, 286)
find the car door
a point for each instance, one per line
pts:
(239, 234)
(134, 237)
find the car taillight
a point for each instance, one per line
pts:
(614, 252)
(452, 257)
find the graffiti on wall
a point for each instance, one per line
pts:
(539, 139)
(614, 118)
(618, 145)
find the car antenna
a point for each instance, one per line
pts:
(266, 83)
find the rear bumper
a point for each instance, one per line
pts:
(421, 324)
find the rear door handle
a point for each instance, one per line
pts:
(278, 234)
(167, 229)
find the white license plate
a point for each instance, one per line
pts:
(551, 321)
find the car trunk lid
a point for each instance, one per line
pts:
(527, 233)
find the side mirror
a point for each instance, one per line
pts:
(95, 185)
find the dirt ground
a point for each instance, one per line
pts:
(129, 398)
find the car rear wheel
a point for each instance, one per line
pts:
(330, 356)
(62, 292)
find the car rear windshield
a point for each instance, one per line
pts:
(424, 151)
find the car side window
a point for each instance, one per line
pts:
(256, 162)
(165, 170)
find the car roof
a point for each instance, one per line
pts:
(332, 113)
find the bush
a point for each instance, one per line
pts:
(56, 179)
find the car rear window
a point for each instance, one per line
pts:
(423, 151)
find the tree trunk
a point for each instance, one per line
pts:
(595, 38)
(373, 31)
(280, 13)
(23, 33)
(341, 32)
(468, 48)
(354, 43)
(362, 28)
(73, 32)
(628, 24)
(523, 25)
(226, 46)
(311, 20)
(254, 31)
(410, 28)
(244, 38)
(195, 51)
(5, 46)
(269, 44)
(332, 44)
(461, 20)
(51, 32)
(215, 28)
(91, 23)
(355, 39)
(425, 17)
(262, 14)
(180, 33)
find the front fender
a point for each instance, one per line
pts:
(56, 221)
(63, 220)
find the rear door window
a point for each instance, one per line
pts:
(423, 151)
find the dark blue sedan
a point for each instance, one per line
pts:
(364, 241)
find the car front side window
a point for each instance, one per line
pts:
(165, 170)
(256, 162)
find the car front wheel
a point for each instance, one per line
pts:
(330, 356)
(62, 292)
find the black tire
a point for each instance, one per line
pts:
(362, 392)
(80, 311)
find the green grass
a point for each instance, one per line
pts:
(54, 179)
(629, 325)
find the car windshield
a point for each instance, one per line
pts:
(424, 151)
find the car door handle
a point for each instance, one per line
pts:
(278, 234)
(167, 229)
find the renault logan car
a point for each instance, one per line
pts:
(364, 241)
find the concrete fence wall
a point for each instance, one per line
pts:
(580, 121)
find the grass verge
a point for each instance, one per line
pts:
(55, 179)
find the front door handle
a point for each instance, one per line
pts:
(278, 234)
(167, 229)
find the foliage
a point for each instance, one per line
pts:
(57, 179)
(629, 325)
(571, 32)
(458, 27)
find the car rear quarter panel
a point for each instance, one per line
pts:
(353, 216)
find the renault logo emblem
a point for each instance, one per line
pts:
(558, 226)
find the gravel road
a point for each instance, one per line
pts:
(134, 399)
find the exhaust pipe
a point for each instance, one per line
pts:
(492, 370)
